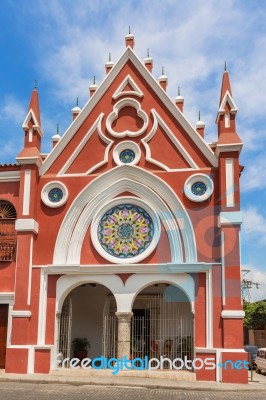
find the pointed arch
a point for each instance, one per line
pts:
(144, 185)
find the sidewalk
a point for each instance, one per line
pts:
(151, 383)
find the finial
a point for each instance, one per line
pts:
(178, 91)
(199, 115)
(77, 102)
(110, 57)
(94, 80)
(225, 65)
(162, 70)
(35, 84)
(129, 30)
(57, 129)
(148, 53)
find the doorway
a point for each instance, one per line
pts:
(3, 333)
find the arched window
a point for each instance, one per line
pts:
(8, 216)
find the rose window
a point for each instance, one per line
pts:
(125, 231)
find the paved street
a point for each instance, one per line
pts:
(28, 391)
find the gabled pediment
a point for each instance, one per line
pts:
(228, 99)
(31, 116)
(130, 62)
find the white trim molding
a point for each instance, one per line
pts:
(227, 99)
(29, 116)
(239, 314)
(21, 314)
(27, 225)
(127, 81)
(7, 298)
(159, 121)
(229, 182)
(230, 218)
(10, 176)
(96, 127)
(226, 148)
(34, 160)
(26, 192)
(114, 115)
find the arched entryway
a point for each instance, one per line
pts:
(88, 312)
(162, 323)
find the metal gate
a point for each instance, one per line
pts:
(162, 330)
(109, 338)
(65, 326)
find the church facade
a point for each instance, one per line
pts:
(125, 234)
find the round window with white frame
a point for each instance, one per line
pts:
(54, 194)
(126, 153)
(198, 187)
(126, 229)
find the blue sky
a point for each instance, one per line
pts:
(63, 44)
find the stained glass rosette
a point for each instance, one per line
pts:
(55, 195)
(125, 231)
(198, 188)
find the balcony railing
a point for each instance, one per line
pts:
(7, 239)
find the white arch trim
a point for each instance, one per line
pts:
(104, 197)
(155, 189)
(125, 295)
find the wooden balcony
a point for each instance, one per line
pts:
(7, 239)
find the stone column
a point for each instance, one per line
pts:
(124, 329)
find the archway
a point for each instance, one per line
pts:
(162, 323)
(87, 316)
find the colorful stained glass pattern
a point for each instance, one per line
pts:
(127, 156)
(198, 188)
(125, 231)
(55, 195)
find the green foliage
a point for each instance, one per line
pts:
(80, 344)
(255, 315)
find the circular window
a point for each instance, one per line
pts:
(127, 156)
(198, 187)
(126, 152)
(54, 194)
(125, 231)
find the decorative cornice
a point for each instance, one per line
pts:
(29, 160)
(111, 269)
(21, 314)
(230, 218)
(226, 148)
(26, 225)
(10, 176)
(227, 314)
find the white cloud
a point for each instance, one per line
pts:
(254, 173)
(12, 109)
(256, 276)
(254, 225)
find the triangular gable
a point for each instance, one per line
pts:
(228, 99)
(128, 87)
(178, 146)
(129, 54)
(32, 116)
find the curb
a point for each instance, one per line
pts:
(144, 385)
